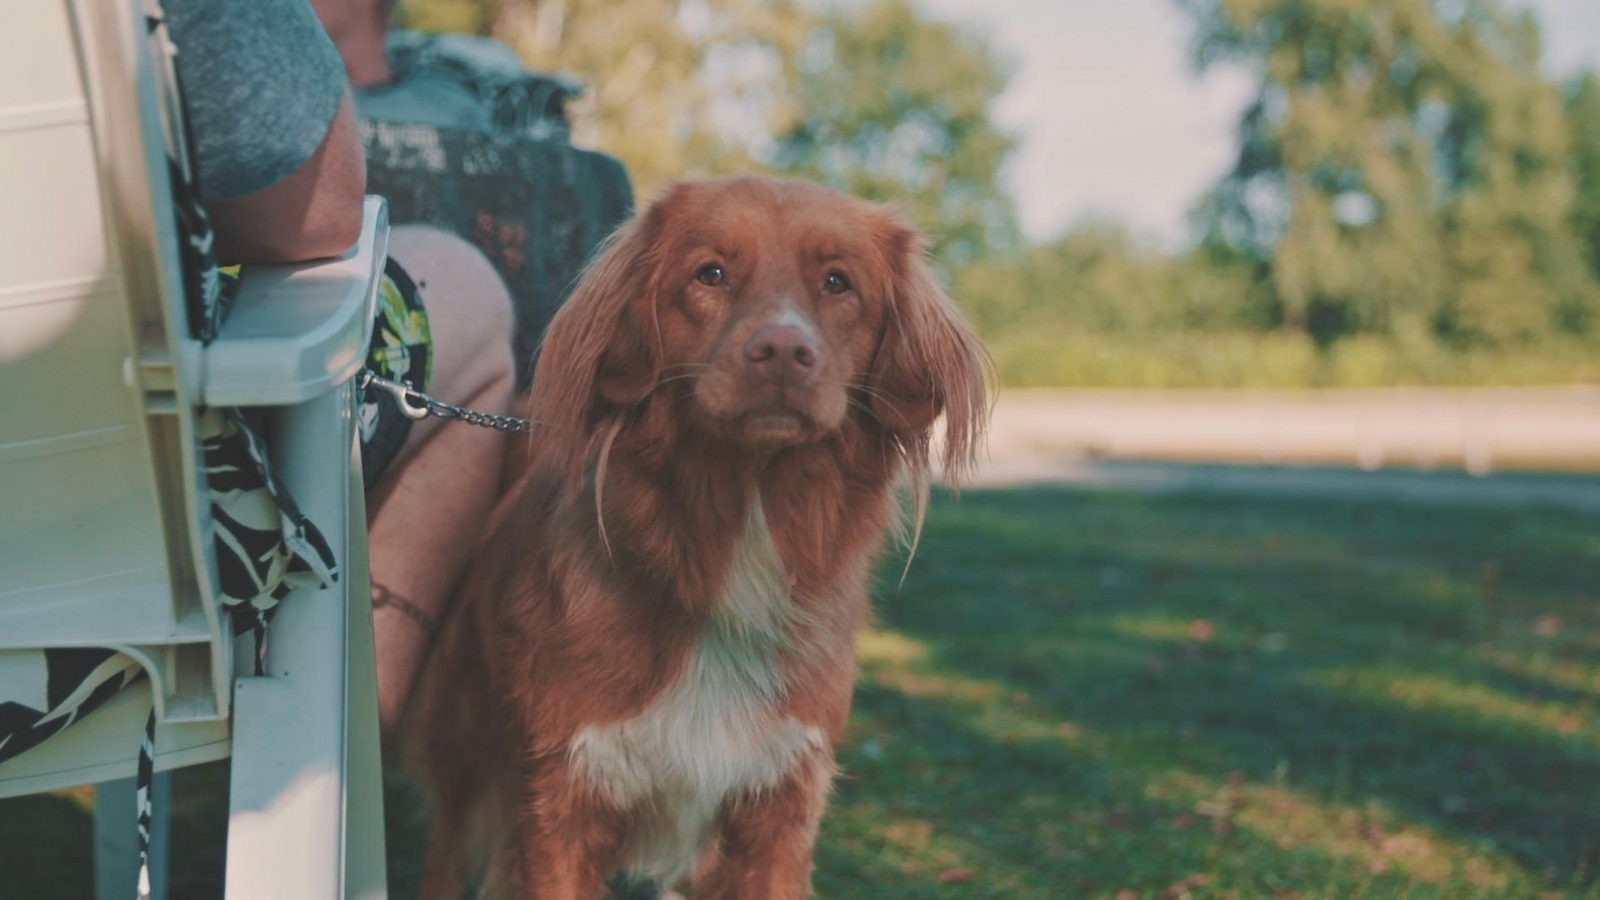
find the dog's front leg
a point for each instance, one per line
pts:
(570, 840)
(767, 838)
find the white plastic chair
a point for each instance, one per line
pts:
(104, 519)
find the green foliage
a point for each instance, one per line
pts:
(1583, 111)
(662, 77)
(1402, 169)
(1097, 309)
(876, 99)
(889, 104)
(1099, 279)
(1411, 202)
(1053, 356)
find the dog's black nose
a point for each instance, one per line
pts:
(781, 352)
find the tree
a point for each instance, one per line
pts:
(1402, 168)
(1097, 278)
(1583, 114)
(889, 104)
(874, 99)
(662, 77)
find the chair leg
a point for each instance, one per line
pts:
(116, 838)
(305, 818)
(365, 846)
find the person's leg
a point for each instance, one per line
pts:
(425, 512)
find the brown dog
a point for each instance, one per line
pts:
(653, 656)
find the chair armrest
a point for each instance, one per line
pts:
(297, 332)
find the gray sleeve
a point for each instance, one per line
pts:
(261, 83)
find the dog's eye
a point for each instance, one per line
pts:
(710, 275)
(836, 282)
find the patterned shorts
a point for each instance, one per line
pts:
(401, 350)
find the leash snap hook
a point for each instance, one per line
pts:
(405, 396)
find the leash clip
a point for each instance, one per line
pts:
(403, 394)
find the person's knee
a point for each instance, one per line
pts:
(489, 336)
(467, 302)
(479, 297)
(454, 274)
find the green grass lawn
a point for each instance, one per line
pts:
(1094, 693)
(1110, 695)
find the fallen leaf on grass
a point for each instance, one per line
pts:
(1182, 889)
(955, 876)
(1489, 577)
(1547, 626)
(1273, 642)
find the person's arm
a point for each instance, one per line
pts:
(279, 161)
(313, 212)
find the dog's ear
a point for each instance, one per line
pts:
(601, 351)
(929, 363)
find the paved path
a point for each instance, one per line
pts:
(1413, 445)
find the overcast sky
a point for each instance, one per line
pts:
(1112, 120)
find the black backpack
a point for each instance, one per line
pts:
(468, 140)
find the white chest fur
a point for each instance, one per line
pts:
(714, 731)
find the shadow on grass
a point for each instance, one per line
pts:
(1321, 672)
(1079, 693)
(928, 805)
(44, 843)
(47, 840)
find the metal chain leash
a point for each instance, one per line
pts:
(418, 405)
